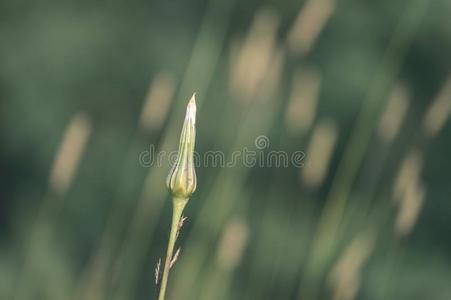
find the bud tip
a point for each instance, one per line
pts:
(191, 109)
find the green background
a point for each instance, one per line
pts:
(59, 58)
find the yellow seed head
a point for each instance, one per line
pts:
(181, 180)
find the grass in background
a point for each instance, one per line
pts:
(340, 227)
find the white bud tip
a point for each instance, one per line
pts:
(191, 109)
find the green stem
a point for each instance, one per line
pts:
(177, 210)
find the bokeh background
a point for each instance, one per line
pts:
(363, 88)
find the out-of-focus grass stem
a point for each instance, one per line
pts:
(92, 281)
(62, 174)
(324, 242)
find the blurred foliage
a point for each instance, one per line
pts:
(96, 239)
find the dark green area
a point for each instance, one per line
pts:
(58, 58)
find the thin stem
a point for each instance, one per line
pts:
(177, 210)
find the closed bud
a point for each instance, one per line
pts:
(181, 181)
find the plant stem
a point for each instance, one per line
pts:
(177, 210)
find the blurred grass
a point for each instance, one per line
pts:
(251, 233)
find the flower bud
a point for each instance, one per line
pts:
(181, 181)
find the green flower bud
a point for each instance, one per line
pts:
(181, 181)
